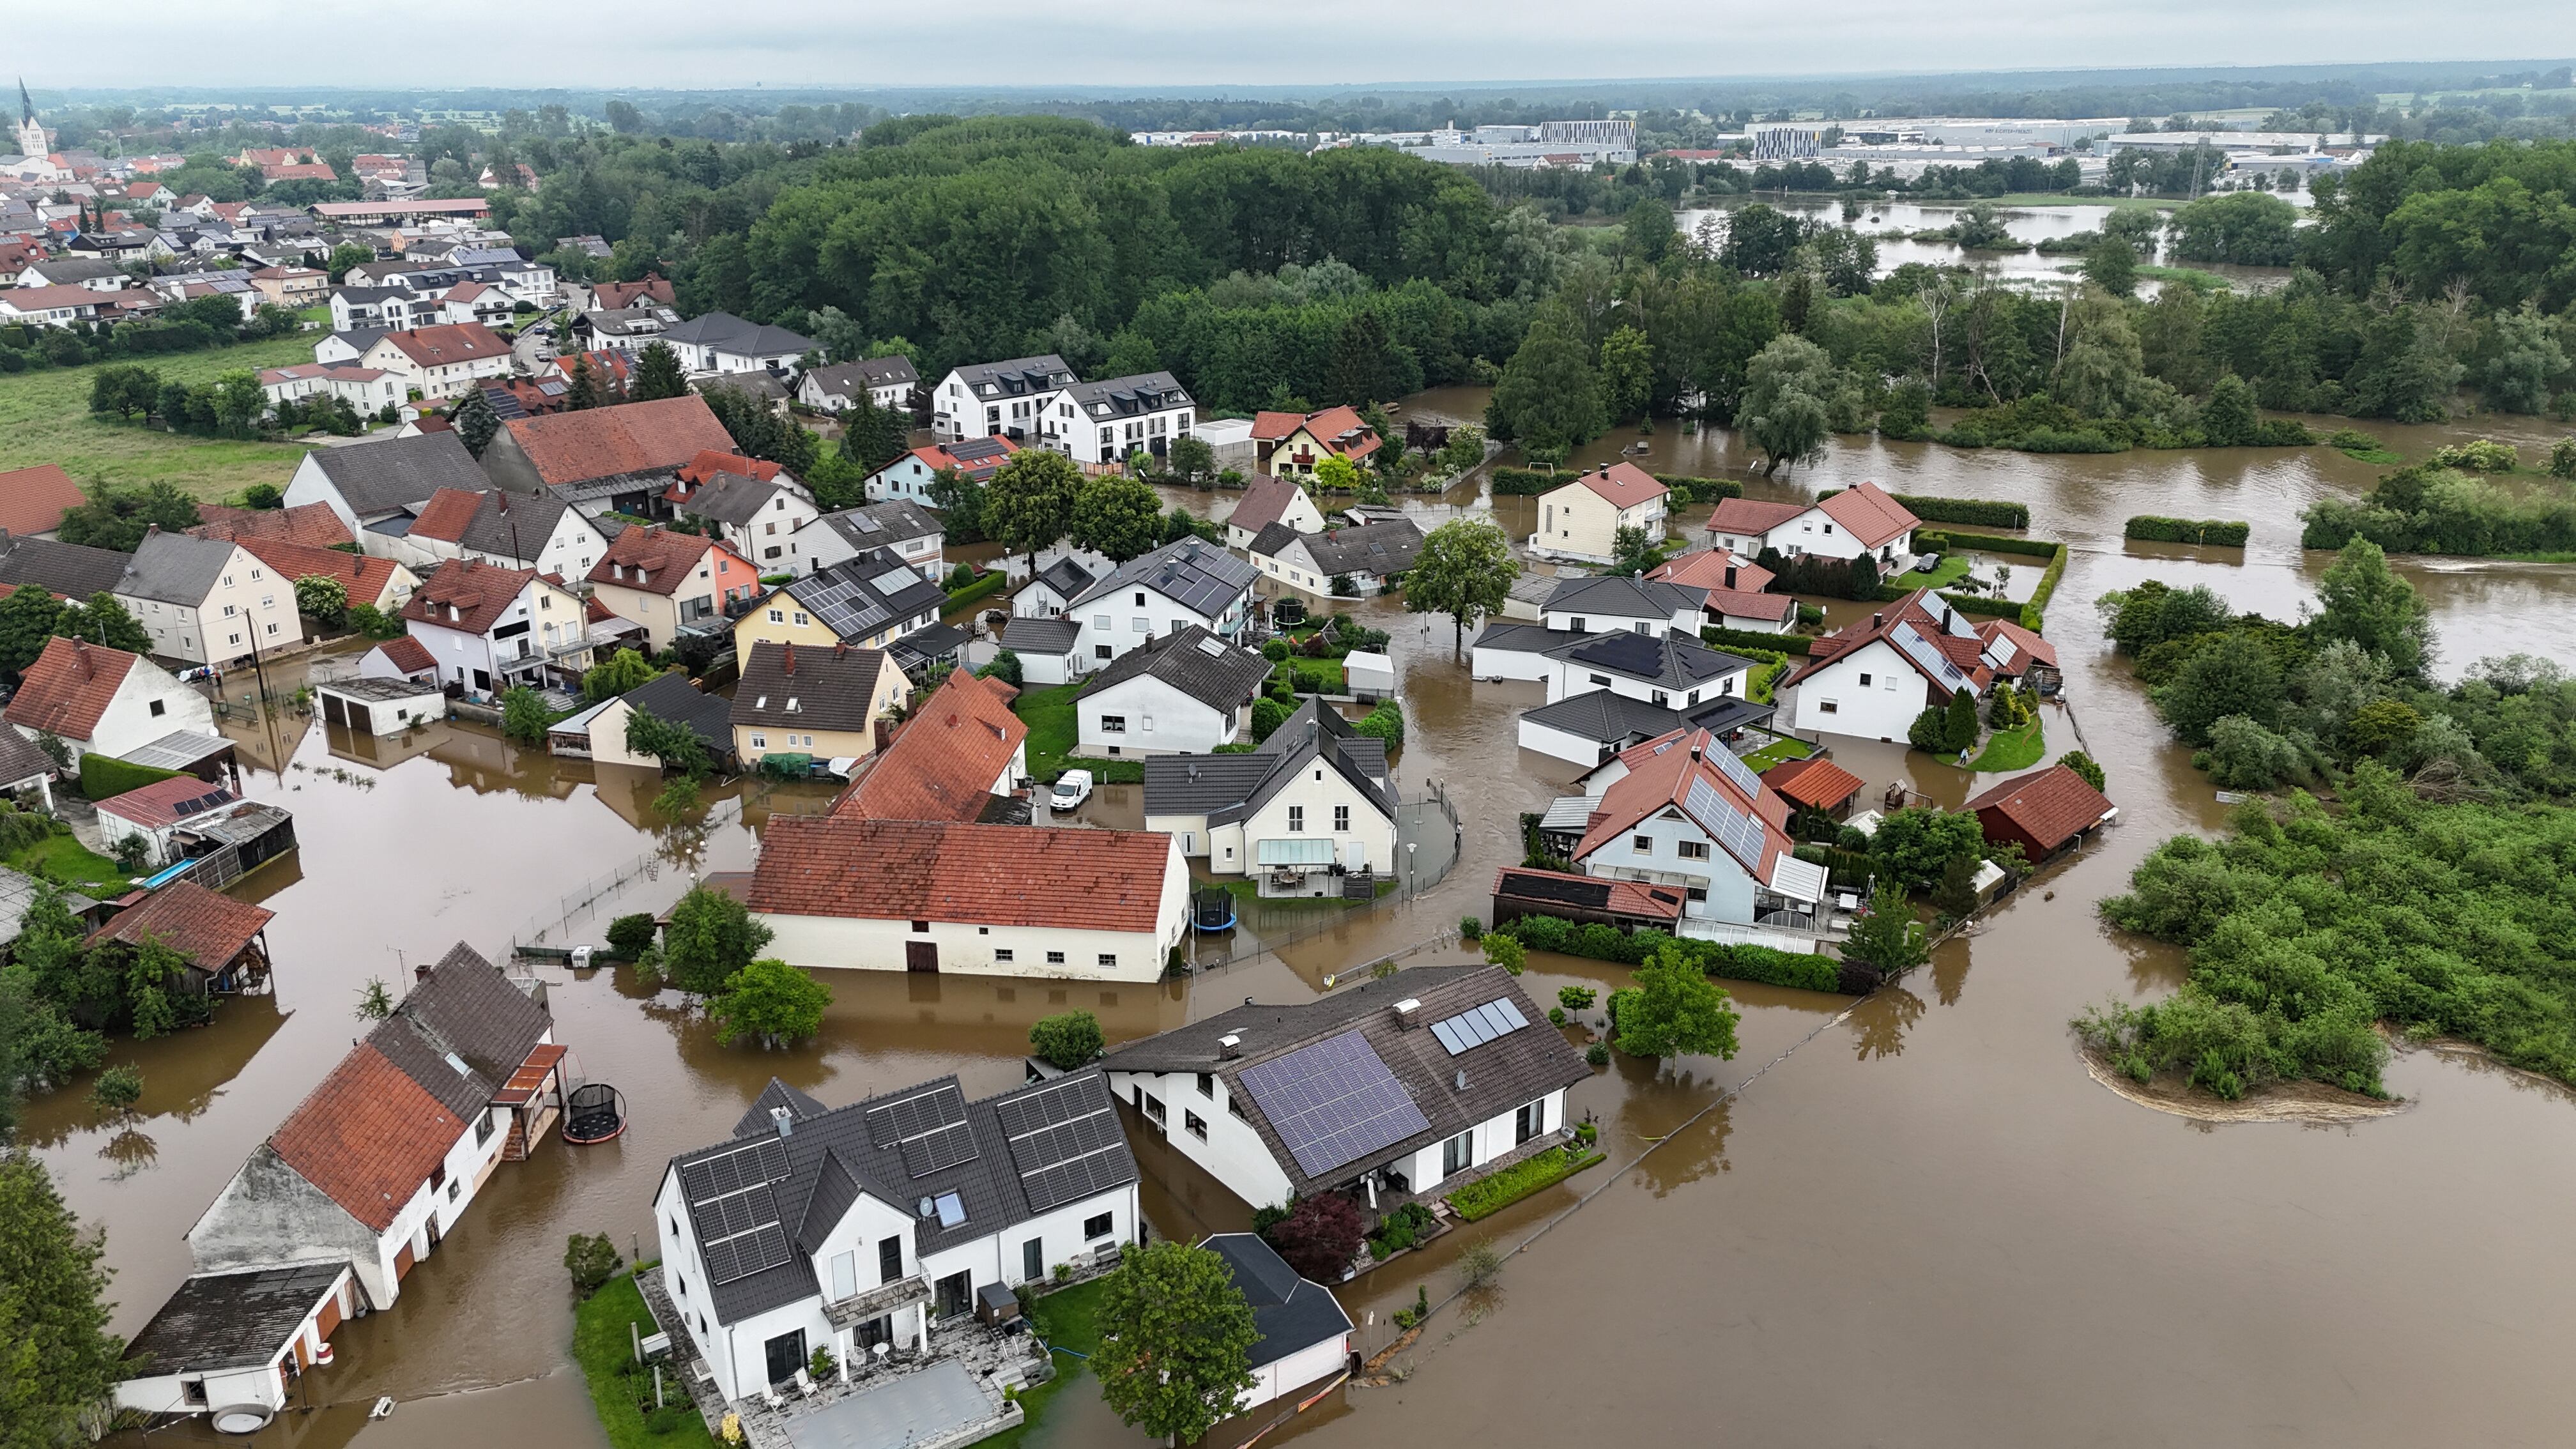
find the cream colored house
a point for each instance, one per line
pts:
(208, 601)
(1581, 520)
(823, 702)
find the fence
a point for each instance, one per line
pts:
(1422, 818)
(585, 898)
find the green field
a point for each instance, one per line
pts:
(45, 418)
(1953, 567)
(63, 859)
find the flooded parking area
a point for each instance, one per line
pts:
(1923, 1224)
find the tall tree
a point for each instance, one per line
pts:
(769, 999)
(1364, 368)
(657, 373)
(1465, 570)
(104, 620)
(58, 1362)
(1176, 1338)
(2362, 601)
(27, 620)
(1627, 372)
(1888, 937)
(1549, 396)
(1029, 504)
(476, 422)
(1119, 517)
(1677, 1010)
(873, 436)
(1783, 412)
(582, 393)
(711, 936)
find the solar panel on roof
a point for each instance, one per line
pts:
(1478, 1025)
(939, 1150)
(1921, 651)
(1333, 1102)
(917, 1114)
(1065, 1142)
(1738, 832)
(1734, 770)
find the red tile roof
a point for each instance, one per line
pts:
(207, 927)
(1657, 779)
(2051, 806)
(1818, 782)
(365, 578)
(303, 171)
(478, 591)
(1751, 515)
(68, 688)
(1706, 568)
(1625, 484)
(2040, 650)
(33, 500)
(944, 760)
(1915, 609)
(1868, 514)
(444, 516)
(611, 296)
(408, 655)
(608, 367)
(157, 804)
(1269, 427)
(447, 345)
(999, 875)
(312, 524)
(650, 559)
(628, 438)
(711, 462)
(368, 1137)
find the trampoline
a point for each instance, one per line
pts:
(595, 1112)
(1212, 910)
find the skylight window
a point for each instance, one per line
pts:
(951, 1209)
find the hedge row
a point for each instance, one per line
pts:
(102, 778)
(1526, 482)
(1687, 489)
(1992, 543)
(986, 584)
(2033, 615)
(1740, 963)
(2156, 528)
(1717, 638)
(1983, 512)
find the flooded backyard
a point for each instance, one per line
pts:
(1923, 1225)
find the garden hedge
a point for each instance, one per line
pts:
(2156, 528)
(1983, 512)
(1755, 639)
(990, 583)
(1741, 963)
(102, 778)
(1487, 1196)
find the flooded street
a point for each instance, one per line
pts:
(1924, 1226)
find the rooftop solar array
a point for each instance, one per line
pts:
(1193, 573)
(1475, 1027)
(938, 1150)
(1064, 1141)
(846, 604)
(1923, 652)
(1740, 833)
(734, 1205)
(1733, 769)
(1333, 1103)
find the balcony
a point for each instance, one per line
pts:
(877, 1302)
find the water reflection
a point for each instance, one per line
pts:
(1879, 1023)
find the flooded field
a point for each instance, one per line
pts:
(1882, 221)
(1924, 1225)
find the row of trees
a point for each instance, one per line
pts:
(189, 326)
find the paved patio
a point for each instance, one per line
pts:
(925, 1408)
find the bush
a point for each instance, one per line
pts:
(1596, 1055)
(1386, 722)
(1487, 1196)
(2084, 765)
(628, 936)
(102, 778)
(1268, 715)
(1607, 943)
(1740, 639)
(2486, 455)
(1470, 928)
(1067, 1041)
(1983, 512)
(1319, 1237)
(1005, 666)
(1576, 998)
(117, 1089)
(592, 1260)
(2562, 458)
(1274, 649)
(1502, 950)
(1403, 1228)
(2154, 528)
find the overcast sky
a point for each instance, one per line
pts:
(1185, 43)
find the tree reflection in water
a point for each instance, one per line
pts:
(132, 1151)
(1879, 1024)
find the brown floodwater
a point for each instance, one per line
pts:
(1924, 1225)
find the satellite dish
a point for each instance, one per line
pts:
(926, 1207)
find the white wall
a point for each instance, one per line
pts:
(131, 719)
(1369, 842)
(311, 485)
(1566, 678)
(1489, 663)
(1158, 719)
(1231, 1152)
(1285, 1376)
(1884, 709)
(1723, 890)
(1118, 623)
(1560, 744)
(967, 949)
(1686, 621)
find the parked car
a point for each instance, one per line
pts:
(1071, 789)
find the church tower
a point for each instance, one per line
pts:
(32, 140)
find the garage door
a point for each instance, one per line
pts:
(333, 711)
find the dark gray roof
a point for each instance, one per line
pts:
(672, 698)
(1666, 659)
(1231, 787)
(465, 1013)
(389, 473)
(1291, 1313)
(762, 385)
(72, 569)
(1040, 636)
(831, 689)
(1727, 712)
(733, 498)
(1525, 638)
(726, 332)
(362, 338)
(861, 596)
(21, 760)
(1617, 596)
(1128, 397)
(1375, 548)
(926, 646)
(229, 1320)
(1194, 661)
(1605, 717)
(1505, 1072)
(512, 525)
(1018, 377)
(1067, 577)
(1015, 1156)
(849, 379)
(1197, 575)
(176, 568)
(874, 525)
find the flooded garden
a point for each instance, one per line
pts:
(1919, 1220)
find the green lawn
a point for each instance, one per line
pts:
(1066, 1318)
(64, 860)
(1054, 730)
(1779, 751)
(45, 418)
(1953, 567)
(601, 1346)
(1316, 676)
(2012, 750)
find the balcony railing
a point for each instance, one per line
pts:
(877, 1302)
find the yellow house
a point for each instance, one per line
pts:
(666, 580)
(1582, 519)
(820, 701)
(867, 602)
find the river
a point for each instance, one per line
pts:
(1925, 1225)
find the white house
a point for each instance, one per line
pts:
(907, 530)
(851, 1228)
(365, 389)
(985, 900)
(996, 399)
(888, 382)
(1466, 1073)
(434, 1084)
(1688, 813)
(1873, 677)
(1191, 581)
(1670, 671)
(1104, 423)
(1618, 604)
(492, 628)
(509, 529)
(1050, 591)
(208, 601)
(382, 479)
(1346, 563)
(1186, 693)
(1313, 798)
(102, 701)
(1581, 519)
(227, 1345)
(721, 342)
(760, 517)
(1733, 593)
(1046, 648)
(1861, 519)
(1271, 499)
(909, 477)
(1305, 1333)
(154, 813)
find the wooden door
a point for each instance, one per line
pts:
(402, 1263)
(921, 956)
(328, 1320)
(333, 712)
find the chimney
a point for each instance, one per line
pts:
(1229, 1046)
(784, 1120)
(1407, 1013)
(787, 658)
(1877, 619)
(80, 651)
(841, 649)
(421, 971)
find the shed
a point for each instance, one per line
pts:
(229, 1344)
(158, 811)
(1815, 784)
(2045, 812)
(1305, 1333)
(1370, 676)
(380, 705)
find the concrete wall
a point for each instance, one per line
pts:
(268, 1216)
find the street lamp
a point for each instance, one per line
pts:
(1410, 847)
